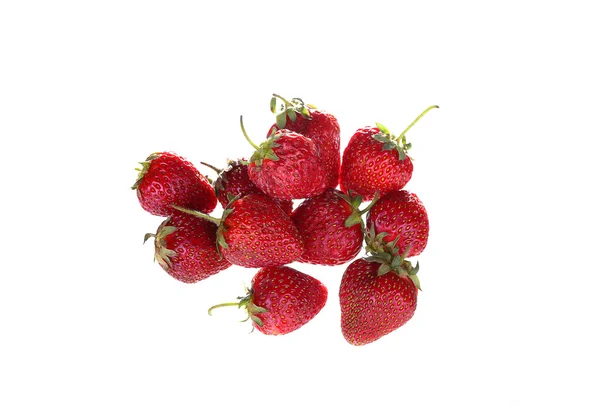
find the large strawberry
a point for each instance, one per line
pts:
(402, 217)
(286, 166)
(376, 299)
(255, 232)
(166, 179)
(281, 300)
(186, 248)
(376, 160)
(234, 181)
(331, 227)
(318, 125)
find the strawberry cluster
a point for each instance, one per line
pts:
(297, 198)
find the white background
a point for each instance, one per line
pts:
(507, 168)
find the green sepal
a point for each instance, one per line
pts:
(273, 105)
(256, 320)
(145, 167)
(415, 280)
(289, 109)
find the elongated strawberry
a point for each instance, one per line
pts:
(318, 125)
(286, 166)
(186, 248)
(166, 179)
(376, 160)
(401, 216)
(234, 181)
(281, 300)
(375, 300)
(331, 227)
(255, 232)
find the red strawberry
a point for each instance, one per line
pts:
(331, 227)
(234, 181)
(375, 302)
(186, 248)
(286, 166)
(255, 232)
(375, 160)
(318, 125)
(167, 179)
(281, 300)
(402, 217)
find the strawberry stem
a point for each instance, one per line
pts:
(370, 205)
(401, 136)
(214, 168)
(246, 135)
(198, 214)
(236, 304)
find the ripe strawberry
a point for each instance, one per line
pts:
(375, 160)
(318, 125)
(402, 217)
(286, 166)
(331, 227)
(186, 248)
(375, 302)
(255, 232)
(234, 181)
(167, 179)
(281, 300)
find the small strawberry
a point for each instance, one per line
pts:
(318, 125)
(331, 227)
(376, 298)
(186, 248)
(286, 166)
(167, 179)
(234, 181)
(402, 217)
(375, 160)
(255, 232)
(281, 300)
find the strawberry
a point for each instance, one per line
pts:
(186, 248)
(234, 181)
(255, 232)
(166, 179)
(281, 300)
(318, 125)
(286, 166)
(331, 227)
(401, 216)
(376, 160)
(376, 299)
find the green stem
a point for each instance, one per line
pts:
(246, 135)
(417, 119)
(370, 205)
(236, 304)
(198, 214)
(287, 103)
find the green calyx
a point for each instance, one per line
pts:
(144, 169)
(355, 200)
(244, 302)
(398, 143)
(162, 254)
(388, 256)
(264, 150)
(287, 109)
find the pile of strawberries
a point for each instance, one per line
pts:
(297, 199)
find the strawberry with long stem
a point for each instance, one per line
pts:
(377, 161)
(281, 300)
(255, 232)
